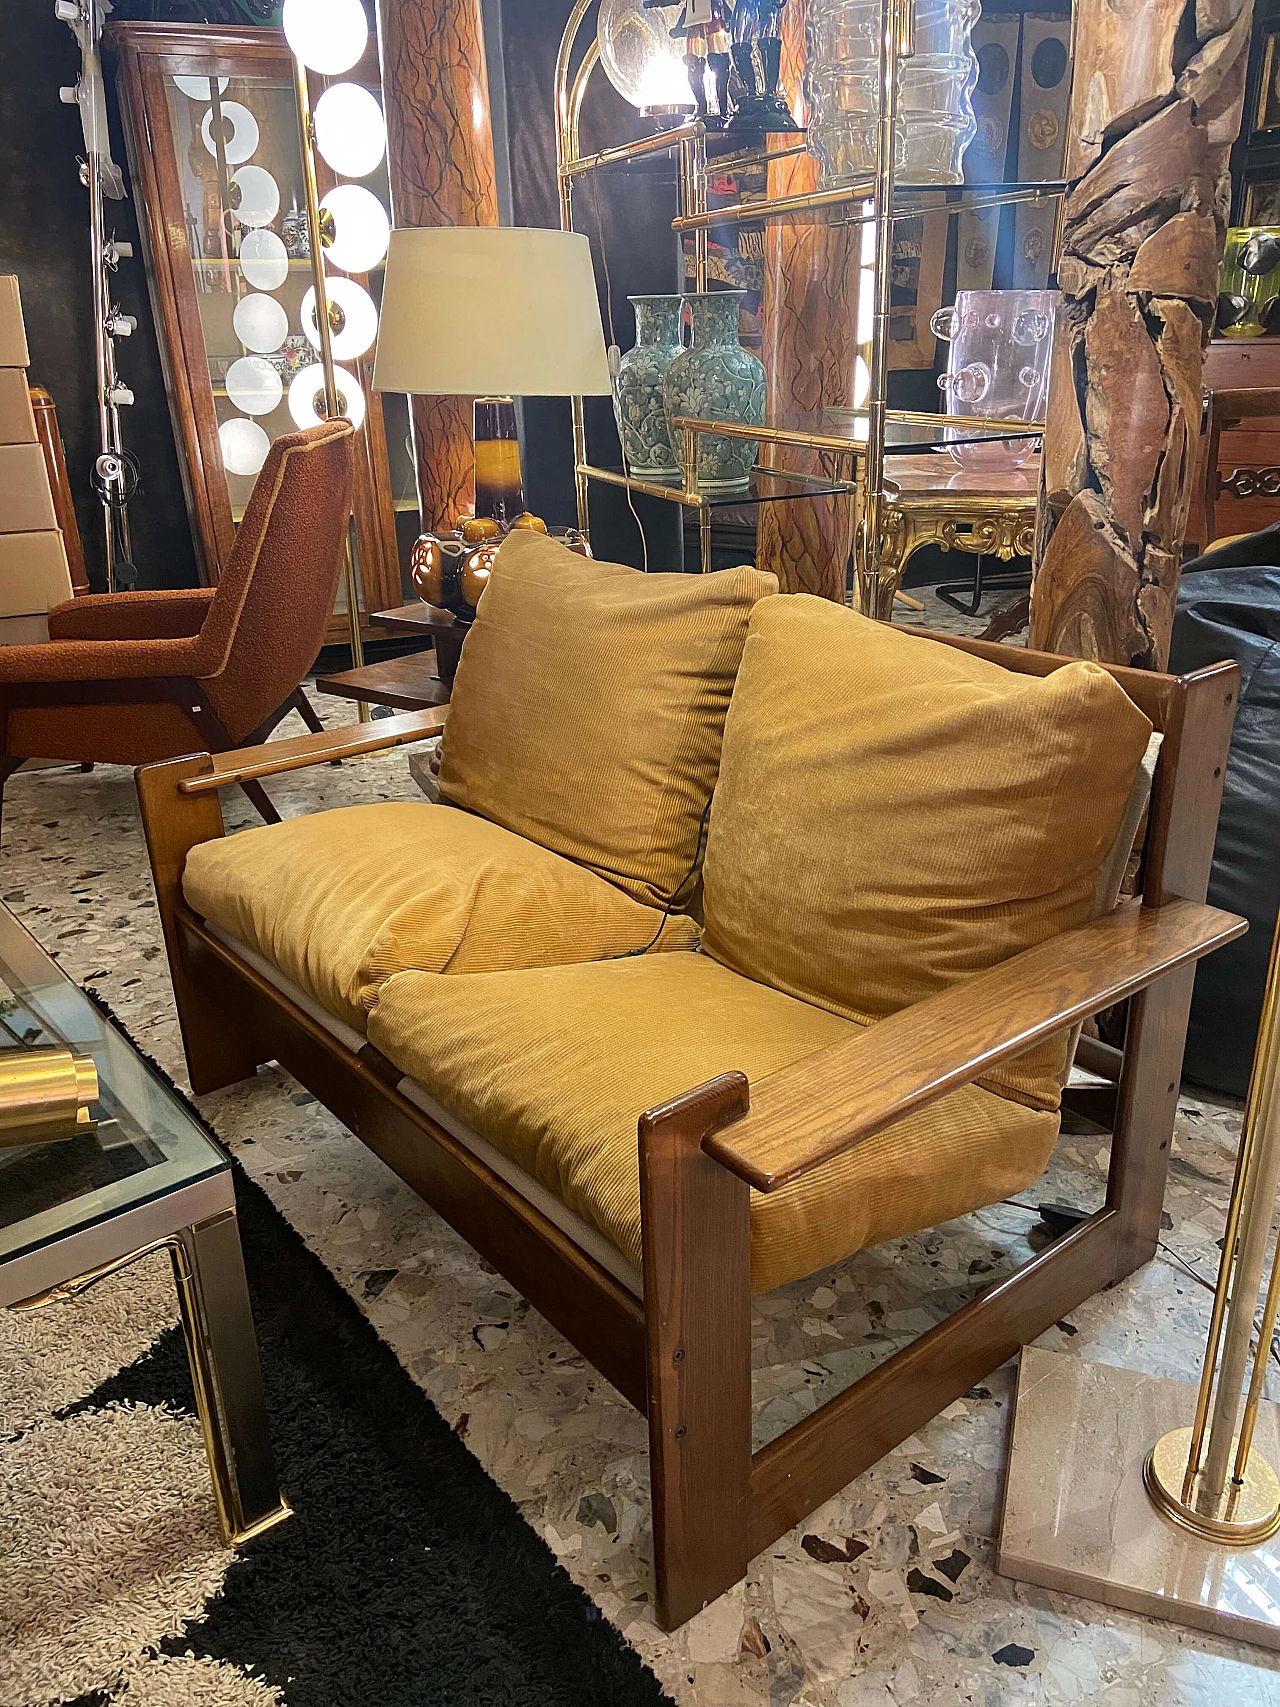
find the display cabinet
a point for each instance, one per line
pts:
(831, 310)
(211, 127)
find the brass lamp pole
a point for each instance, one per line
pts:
(325, 328)
(1208, 1478)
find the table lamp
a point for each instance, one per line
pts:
(490, 312)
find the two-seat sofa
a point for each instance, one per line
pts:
(748, 932)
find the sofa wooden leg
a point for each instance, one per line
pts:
(217, 1049)
(1146, 1106)
(697, 1267)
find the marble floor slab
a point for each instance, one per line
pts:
(885, 1595)
(1077, 1516)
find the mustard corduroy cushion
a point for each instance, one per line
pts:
(589, 707)
(555, 1068)
(341, 900)
(894, 815)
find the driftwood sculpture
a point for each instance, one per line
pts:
(1156, 104)
(441, 166)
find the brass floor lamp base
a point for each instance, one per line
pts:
(1249, 1512)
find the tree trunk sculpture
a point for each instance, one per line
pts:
(1156, 105)
(441, 166)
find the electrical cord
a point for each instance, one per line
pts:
(1200, 1279)
(670, 907)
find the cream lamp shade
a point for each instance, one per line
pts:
(486, 310)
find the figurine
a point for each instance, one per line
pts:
(704, 25)
(757, 29)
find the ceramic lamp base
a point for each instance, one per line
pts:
(1078, 1518)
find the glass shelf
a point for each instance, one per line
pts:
(832, 206)
(766, 486)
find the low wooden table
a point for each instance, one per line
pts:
(413, 683)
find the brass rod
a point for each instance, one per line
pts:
(1222, 1291)
(574, 165)
(569, 99)
(810, 200)
(734, 212)
(332, 405)
(773, 435)
(1258, 1199)
(564, 58)
(755, 157)
(867, 535)
(702, 237)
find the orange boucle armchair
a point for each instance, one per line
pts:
(131, 678)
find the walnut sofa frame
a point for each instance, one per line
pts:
(683, 1356)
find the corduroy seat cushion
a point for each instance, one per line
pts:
(589, 706)
(894, 815)
(341, 900)
(555, 1068)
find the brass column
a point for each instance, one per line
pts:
(324, 327)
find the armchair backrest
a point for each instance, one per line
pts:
(267, 620)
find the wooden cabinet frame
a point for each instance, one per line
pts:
(145, 55)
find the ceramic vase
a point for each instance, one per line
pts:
(716, 379)
(637, 390)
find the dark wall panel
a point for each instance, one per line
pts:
(44, 240)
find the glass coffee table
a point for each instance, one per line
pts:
(142, 1176)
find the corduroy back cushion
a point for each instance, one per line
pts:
(589, 707)
(894, 815)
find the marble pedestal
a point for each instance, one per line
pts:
(1078, 1519)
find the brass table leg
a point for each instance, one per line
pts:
(208, 1267)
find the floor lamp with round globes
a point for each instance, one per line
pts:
(349, 230)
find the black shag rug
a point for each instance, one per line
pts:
(406, 1577)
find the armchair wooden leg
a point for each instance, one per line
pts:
(697, 1268)
(1146, 1106)
(306, 711)
(261, 800)
(218, 1050)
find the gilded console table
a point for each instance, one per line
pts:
(930, 500)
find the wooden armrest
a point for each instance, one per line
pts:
(247, 764)
(840, 1096)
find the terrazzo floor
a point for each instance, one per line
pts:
(886, 1594)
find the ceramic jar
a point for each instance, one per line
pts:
(716, 379)
(637, 389)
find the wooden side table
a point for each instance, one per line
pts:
(414, 683)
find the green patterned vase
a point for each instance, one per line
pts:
(637, 390)
(717, 380)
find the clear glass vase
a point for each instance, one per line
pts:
(935, 89)
(999, 343)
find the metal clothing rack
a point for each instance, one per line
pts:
(856, 461)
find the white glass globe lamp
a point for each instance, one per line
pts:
(351, 133)
(353, 319)
(244, 445)
(641, 58)
(357, 232)
(306, 397)
(328, 36)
